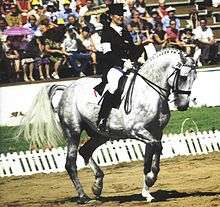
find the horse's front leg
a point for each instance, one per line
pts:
(152, 135)
(151, 167)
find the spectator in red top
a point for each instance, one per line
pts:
(172, 36)
(24, 7)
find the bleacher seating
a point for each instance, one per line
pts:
(183, 8)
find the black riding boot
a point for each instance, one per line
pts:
(104, 111)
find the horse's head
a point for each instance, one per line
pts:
(181, 80)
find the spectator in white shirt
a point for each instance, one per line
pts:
(206, 42)
(79, 59)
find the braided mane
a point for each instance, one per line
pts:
(154, 66)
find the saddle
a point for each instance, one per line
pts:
(116, 101)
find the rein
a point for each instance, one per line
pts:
(128, 98)
(157, 88)
(129, 94)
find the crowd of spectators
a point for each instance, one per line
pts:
(64, 37)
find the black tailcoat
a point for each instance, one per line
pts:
(122, 47)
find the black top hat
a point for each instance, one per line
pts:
(116, 9)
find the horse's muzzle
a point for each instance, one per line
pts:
(183, 108)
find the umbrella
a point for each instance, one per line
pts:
(17, 31)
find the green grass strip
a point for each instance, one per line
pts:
(204, 118)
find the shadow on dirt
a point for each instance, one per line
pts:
(160, 195)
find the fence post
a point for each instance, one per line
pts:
(6, 167)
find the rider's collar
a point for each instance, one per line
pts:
(117, 28)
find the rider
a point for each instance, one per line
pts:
(119, 52)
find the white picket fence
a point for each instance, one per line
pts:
(111, 153)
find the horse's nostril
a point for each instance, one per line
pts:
(183, 108)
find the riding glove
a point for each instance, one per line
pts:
(127, 65)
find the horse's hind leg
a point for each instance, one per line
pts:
(99, 175)
(71, 167)
(86, 152)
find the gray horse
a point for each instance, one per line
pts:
(142, 115)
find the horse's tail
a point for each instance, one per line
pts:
(40, 125)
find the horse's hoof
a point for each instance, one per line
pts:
(150, 199)
(84, 200)
(146, 194)
(97, 190)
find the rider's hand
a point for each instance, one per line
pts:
(127, 65)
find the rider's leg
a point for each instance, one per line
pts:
(105, 110)
(113, 77)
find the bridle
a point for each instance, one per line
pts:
(174, 87)
(157, 88)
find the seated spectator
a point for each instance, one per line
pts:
(170, 16)
(86, 39)
(13, 18)
(85, 21)
(24, 7)
(32, 25)
(193, 17)
(206, 42)
(72, 22)
(13, 56)
(172, 36)
(28, 67)
(162, 9)
(140, 6)
(127, 13)
(3, 25)
(144, 38)
(51, 12)
(155, 18)
(136, 34)
(6, 6)
(42, 62)
(53, 48)
(142, 23)
(87, 7)
(72, 5)
(37, 11)
(45, 24)
(159, 36)
(5, 66)
(78, 57)
(188, 41)
(66, 11)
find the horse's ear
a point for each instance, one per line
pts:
(182, 57)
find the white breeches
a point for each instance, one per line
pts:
(113, 77)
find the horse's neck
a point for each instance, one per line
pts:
(156, 70)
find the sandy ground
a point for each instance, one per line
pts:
(183, 181)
